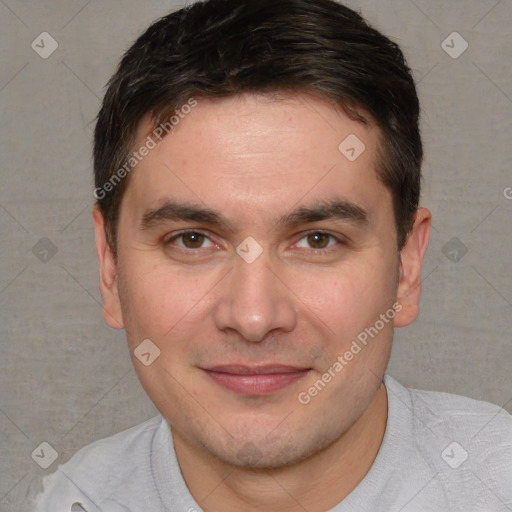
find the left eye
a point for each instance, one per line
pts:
(319, 240)
(190, 239)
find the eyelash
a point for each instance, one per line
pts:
(305, 235)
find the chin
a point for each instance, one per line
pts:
(266, 454)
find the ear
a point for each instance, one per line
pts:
(112, 314)
(411, 256)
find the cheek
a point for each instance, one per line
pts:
(347, 299)
(148, 298)
(160, 300)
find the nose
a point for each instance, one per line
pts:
(255, 301)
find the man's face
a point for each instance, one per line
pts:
(241, 338)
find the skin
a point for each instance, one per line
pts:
(301, 302)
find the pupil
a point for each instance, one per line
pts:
(195, 238)
(316, 238)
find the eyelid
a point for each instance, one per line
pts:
(174, 236)
(339, 238)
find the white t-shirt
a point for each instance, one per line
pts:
(440, 453)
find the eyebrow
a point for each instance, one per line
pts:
(334, 209)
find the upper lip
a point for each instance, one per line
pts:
(236, 369)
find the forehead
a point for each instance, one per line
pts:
(261, 152)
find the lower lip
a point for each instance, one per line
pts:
(256, 385)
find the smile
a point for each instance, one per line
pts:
(256, 381)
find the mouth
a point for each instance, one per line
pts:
(256, 380)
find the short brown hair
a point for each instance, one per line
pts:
(220, 48)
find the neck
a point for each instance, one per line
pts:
(315, 484)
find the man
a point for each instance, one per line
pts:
(257, 170)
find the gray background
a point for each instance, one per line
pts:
(67, 379)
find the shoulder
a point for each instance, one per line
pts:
(100, 468)
(467, 443)
(452, 411)
(469, 417)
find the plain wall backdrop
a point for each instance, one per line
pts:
(66, 378)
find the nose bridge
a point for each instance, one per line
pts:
(252, 281)
(254, 300)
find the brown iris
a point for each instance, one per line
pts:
(196, 240)
(316, 240)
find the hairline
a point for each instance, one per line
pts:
(355, 112)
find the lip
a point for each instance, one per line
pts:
(256, 380)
